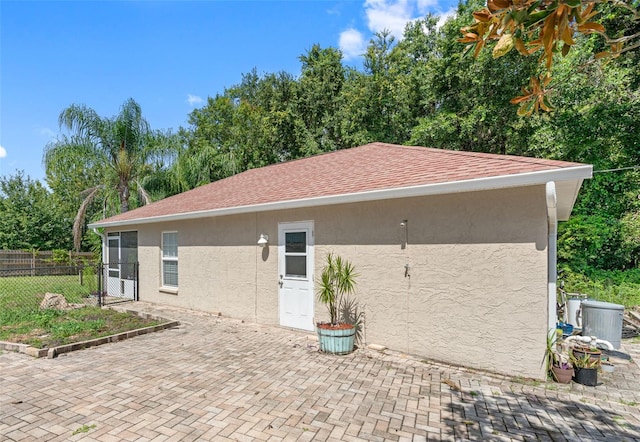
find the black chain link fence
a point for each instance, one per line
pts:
(26, 289)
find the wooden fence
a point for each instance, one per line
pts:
(20, 262)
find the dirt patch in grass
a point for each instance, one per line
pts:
(52, 328)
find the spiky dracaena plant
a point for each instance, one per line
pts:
(338, 279)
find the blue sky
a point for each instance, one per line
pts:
(169, 56)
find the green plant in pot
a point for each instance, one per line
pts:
(557, 366)
(580, 351)
(335, 286)
(586, 368)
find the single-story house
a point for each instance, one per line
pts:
(455, 251)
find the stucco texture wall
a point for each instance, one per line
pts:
(475, 293)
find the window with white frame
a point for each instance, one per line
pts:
(170, 259)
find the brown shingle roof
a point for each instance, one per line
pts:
(371, 167)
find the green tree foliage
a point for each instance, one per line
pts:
(548, 28)
(251, 125)
(423, 90)
(104, 157)
(469, 98)
(420, 89)
(30, 217)
(594, 121)
(592, 242)
(319, 101)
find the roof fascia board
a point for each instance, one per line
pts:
(576, 173)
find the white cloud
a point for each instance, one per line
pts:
(194, 100)
(3, 152)
(425, 6)
(352, 44)
(335, 10)
(444, 16)
(392, 15)
(45, 131)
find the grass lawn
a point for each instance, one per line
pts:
(26, 292)
(22, 321)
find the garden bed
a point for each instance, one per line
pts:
(52, 332)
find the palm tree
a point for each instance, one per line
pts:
(116, 153)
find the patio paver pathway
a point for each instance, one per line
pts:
(220, 379)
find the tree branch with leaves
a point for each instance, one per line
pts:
(548, 27)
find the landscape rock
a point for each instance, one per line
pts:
(54, 301)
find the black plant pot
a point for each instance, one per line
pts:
(586, 376)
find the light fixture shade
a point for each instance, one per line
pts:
(263, 240)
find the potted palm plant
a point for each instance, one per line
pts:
(337, 282)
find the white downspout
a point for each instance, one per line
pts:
(552, 271)
(104, 245)
(104, 261)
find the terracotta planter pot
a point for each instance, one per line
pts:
(562, 375)
(594, 355)
(337, 339)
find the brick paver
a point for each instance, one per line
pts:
(220, 379)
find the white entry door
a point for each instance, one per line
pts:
(295, 268)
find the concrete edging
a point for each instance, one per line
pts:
(52, 352)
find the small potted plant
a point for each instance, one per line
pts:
(337, 282)
(562, 372)
(580, 351)
(586, 368)
(557, 365)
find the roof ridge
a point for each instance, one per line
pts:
(373, 167)
(498, 156)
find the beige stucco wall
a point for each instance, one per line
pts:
(476, 294)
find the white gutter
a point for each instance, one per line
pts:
(552, 271)
(504, 181)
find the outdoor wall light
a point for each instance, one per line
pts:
(405, 226)
(263, 241)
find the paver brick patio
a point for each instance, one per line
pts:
(214, 378)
